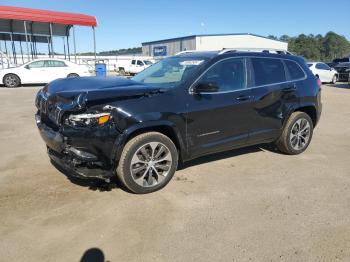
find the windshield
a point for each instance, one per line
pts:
(169, 72)
(147, 62)
(309, 65)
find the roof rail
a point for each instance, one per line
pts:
(187, 51)
(263, 50)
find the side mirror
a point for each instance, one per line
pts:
(205, 87)
(27, 67)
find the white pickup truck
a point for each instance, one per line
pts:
(133, 66)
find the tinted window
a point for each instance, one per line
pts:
(340, 60)
(322, 66)
(228, 75)
(55, 63)
(294, 70)
(268, 71)
(309, 65)
(37, 64)
(133, 62)
(139, 63)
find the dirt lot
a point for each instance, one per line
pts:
(246, 205)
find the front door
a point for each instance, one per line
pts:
(325, 72)
(56, 69)
(220, 120)
(35, 72)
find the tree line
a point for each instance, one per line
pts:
(317, 47)
(124, 51)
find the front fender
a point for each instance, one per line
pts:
(141, 127)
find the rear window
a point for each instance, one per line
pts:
(341, 60)
(268, 71)
(294, 70)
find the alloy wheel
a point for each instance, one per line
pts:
(150, 164)
(300, 134)
(10, 81)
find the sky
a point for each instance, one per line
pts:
(128, 23)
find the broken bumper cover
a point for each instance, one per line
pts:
(74, 160)
(73, 166)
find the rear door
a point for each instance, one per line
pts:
(220, 120)
(56, 69)
(273, 95)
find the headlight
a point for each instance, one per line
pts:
(88, 119)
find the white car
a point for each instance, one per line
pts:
(325, 73)
(41, 71)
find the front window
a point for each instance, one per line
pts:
(37, 64)
(147, 62)
(169, 72)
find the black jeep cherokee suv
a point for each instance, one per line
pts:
(183, 107)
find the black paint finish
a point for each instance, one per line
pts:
(198, 124)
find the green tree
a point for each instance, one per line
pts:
(335, 45)
(272, 37)
(318, 47)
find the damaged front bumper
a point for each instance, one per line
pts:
(82, 154)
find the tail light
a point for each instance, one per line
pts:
(319, 83)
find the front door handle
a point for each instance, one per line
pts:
(244, 98)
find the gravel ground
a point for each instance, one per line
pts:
(251, 204)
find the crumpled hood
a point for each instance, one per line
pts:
(88, 84)
(80, 93)
(94, 89)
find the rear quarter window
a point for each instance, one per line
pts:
(294, 70)
(268, 71)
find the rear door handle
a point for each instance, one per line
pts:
(244, 98)
(290, 88)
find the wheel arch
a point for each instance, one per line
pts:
(309, 110)
(165, 128)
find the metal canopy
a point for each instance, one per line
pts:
(34, 26)
(45, 16)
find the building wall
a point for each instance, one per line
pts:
(237, 41)
(172, 47)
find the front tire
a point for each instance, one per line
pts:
(334, 79)
(11, 80)
(296, 135)
(148, 162)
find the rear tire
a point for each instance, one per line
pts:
(72, 75)
(11, 80)
(148, 162)
(122, 71)
(296, 135)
